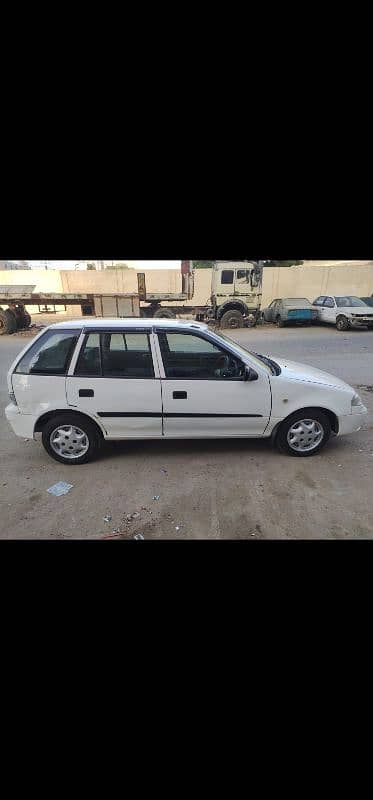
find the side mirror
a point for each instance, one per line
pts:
(250, 374)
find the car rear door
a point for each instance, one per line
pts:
(204, 392)
(115, 379)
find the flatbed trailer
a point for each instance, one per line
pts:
(105, 304)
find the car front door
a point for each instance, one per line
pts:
(115, 379)
(269, 314)
(204, 392)
(329, 310)
(318, 305)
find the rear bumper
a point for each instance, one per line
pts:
(23, 425)
(351, 423)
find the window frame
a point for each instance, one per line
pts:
(74, 332)
(104, 331)
(197, 335)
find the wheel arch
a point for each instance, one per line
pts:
(333, 419)
(233, 305)
(44, 418)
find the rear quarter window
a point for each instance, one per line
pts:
(49, 355)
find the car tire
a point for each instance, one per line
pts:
(232, 320)
(321, 426)
(342, 323)
(78, 425)
(8, 322)
(279, 322)
(164, 313)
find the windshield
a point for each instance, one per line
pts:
(343, 302)
(262, 361)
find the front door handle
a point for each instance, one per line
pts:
(86, 393)
(180, 395)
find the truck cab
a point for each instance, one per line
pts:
(236, 293)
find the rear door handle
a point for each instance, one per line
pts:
(86, 393)
(180, 395)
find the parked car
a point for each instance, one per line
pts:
(290, 310)
(368, 300)
(344, 312)
(79, 383)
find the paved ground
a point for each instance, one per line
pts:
(210, 489)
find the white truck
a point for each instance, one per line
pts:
(236, 293)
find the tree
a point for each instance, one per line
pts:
(91, 266)
(203, 264)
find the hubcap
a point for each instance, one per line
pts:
(69, 442)
(305, 435)
(233, 323)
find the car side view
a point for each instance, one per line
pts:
(344, 312)
(83, 382)
(290, 310)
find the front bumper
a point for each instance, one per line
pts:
(351, 423)
(358, 322)
(23, 425)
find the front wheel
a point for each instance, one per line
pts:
(280, 322)
(232, 320)
(342, 323)
(70, 439)
(304, 433)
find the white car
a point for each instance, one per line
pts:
(344, 312)
(79, 383)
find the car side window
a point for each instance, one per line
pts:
(116, 355)
(329, 302)
(227, 276)
(319, 301)
(190, 357)
(49, 355)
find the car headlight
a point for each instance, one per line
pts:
(356, 401)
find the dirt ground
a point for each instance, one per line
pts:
(207, 489)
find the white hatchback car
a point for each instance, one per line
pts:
(81, 382)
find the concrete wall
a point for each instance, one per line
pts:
(311, 281)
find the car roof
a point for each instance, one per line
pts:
(128, 322)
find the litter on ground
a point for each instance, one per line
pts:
(157, 497)
(60, 488)
(108, 518)
(139, 536)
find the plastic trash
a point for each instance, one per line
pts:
(157, 497)
(60, 488)
(108, 518)
(139, 537)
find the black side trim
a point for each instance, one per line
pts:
(155, 414)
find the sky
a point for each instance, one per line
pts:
(138, 265)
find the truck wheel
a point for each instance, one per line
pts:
(280, 322)
(164, 313)
(232, 320)
(342, 323)
(70, 439)
(8, 322)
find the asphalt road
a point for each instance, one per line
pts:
(207, 489)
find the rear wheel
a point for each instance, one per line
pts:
(232, 320)
(8, 323)
(304, 433)
(342, 323)
(164, 313)
(70, 439)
